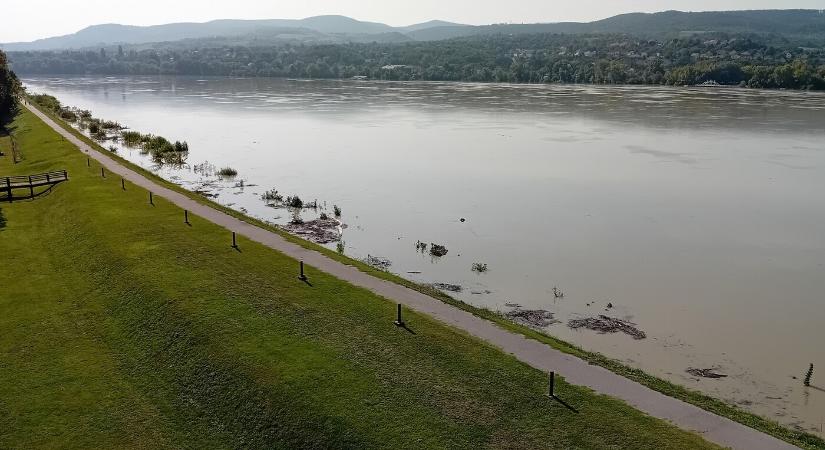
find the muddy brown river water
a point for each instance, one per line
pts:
(696, 214)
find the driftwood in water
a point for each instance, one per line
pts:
(705, 373)
(604, 324)
(447, 287)
(537, 318)
(319, 231)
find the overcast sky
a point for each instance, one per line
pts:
(26, 20)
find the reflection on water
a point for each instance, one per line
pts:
(697, 214)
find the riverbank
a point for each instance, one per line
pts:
(127, 328)
(303, 243)
(671, 389)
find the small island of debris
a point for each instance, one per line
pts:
(604, 324)
(535, 318)
(320, 231)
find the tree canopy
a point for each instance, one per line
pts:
(9, 88)
(730, 59)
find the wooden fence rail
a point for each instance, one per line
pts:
(8, 184)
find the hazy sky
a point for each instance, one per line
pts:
(27, 20)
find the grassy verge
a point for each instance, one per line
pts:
(802, 439)
(125, 328)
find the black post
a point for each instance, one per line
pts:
(102, 172)
(123, 184)
(151, 200)
(552, 391)
(234, 241)
(31, 186)
(88, 162)
(186, 217)
(398, 321)
(302, 276)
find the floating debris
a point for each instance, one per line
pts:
(207, 194)
(512, 305)
(705, 373)
(438, 250)
(319, 231)
(479, 267)
(447, 287)
(604, 324)
(537, 318)
(378, 262)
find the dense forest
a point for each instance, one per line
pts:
(9, 87)
(757, 61)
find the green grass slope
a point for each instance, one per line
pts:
(122, 327)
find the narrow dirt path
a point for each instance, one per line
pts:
(712, 427)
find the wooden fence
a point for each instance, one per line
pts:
(9, 184)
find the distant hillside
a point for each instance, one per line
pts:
(798, 24)
(334, 28)
(793, 23)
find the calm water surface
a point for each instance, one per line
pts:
(698, 213)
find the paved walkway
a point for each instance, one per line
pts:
(720, 430)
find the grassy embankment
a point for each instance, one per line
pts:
(801, 439)
(123, 327)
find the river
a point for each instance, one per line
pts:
(697, 214)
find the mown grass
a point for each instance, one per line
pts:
(733, 412)
(124, 328)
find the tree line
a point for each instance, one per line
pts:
(729, 59)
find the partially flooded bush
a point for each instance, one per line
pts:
(479, 267)
(336, 210)
(294, 202)
(131, 138)
(272, 196)
(110, 125)
(68, 115)
(228, 172)
(438, 250)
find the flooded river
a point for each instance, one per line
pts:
(696, 214)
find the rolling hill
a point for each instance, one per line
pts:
(797, 23)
